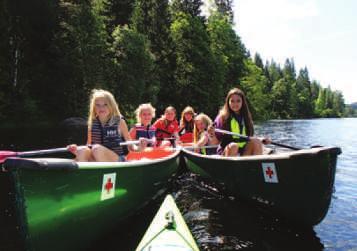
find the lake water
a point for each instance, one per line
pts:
(219, 222)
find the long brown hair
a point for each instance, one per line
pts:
(169, 108)
(226, 112)
(183, 121)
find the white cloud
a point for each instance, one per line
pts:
(305, 31)
(269, 23)
(276, 10)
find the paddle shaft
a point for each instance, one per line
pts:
(247, 138)
(134, 142)
(7, 154)
(42, 152)
(200, 147)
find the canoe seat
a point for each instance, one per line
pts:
(150, 153)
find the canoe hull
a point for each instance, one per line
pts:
(61, 206)
(297, 186)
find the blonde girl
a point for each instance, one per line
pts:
(200, 134)
(106, 130)
(143, 129)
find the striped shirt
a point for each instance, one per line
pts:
(108, 134)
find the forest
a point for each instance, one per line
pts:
(54, 52)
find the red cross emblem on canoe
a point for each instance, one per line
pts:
(269, 172)
(109, 185)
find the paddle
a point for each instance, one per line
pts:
(200, 147)
(247, 139)
(6, 154)
(136, 142)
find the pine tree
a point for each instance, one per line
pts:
(224, 7)
(7, 60)
(195, 72)
(303, 88)
(85, 65)
(152, 19)
(280, 100)
(289, 69)
(191, 7)
(258, 61)
(228, 50)
(320, 105)
(27, 51)
(253, 84)
(115, 12)
(338, 104)
(134, 69)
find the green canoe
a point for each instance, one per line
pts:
(296, 185)
(60, 204)
(168, 231)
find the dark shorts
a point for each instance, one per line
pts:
(122, 158)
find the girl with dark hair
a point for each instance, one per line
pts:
(235, 117)
(186, 125)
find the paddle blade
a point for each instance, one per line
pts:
(6, 154)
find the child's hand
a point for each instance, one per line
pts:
(265, 140)
(211, 132)
(143, 142)
(72, 148)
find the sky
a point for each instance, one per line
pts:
(318, 34)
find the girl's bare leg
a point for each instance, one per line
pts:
(231, 150)
(254, 147)
(84, 154)
(101, 153)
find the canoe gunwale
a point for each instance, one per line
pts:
(143, 162)
(69, 164)
(39, 164)
(277, 156)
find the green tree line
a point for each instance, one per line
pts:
(54, 52)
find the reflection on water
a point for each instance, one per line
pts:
(219, 222)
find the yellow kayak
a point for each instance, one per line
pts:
(168, 231)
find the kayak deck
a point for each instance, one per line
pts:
(168, 231)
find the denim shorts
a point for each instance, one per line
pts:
(122, 158)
